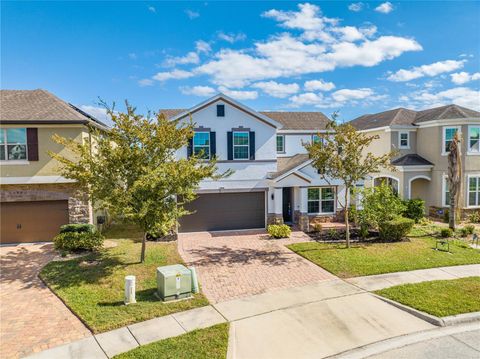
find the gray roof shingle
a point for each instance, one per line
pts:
(403, 116)
(40, 106)
(411, 160)
(285, 164)
(290, 120)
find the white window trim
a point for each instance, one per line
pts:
(444, 131)
(209, 144)
(283, 150)
(247, 145)
(400, 133)
(320, 201)
(469, 152)
(444, 186)
(468, 191)
(14, 162)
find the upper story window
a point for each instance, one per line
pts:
(201, 144)
(241, 145)
(474, 191)
(316, 138)
(13, 144)
(280, 144)
(321, 200)
(448, 136)
(220, 110)
(473, 139)
(404, 140)
(446, 192)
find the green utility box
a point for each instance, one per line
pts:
(174, 282)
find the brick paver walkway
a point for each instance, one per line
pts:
(238, 264)
(32, 318)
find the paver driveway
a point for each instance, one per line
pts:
(32, 317)
(238, 264)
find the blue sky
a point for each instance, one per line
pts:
(354, 57)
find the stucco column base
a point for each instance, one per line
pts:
(304, 222)
(274, 218)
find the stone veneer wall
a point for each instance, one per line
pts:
(78, 208)
(438, 212)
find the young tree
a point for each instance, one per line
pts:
(134, 172)
(454, 179)
(340, 153)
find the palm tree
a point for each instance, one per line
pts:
(454, 178)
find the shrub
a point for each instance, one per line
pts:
(446, 232)
(470, 229)
(317, 227)
(333, 234)
(463, 232)
(446, 216)
(395, 229)
(363, 232)
(74, 241)
(78, 228)
(279, 230)
(424, 221)
(415, 209)
(474, 217)
(379, 205)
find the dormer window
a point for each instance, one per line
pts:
(220, 110)
(404, 140)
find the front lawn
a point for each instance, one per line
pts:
(208, 343)
(440, 297)
(376, 258)
(93, 286)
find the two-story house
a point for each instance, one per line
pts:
(272, 179)
(422, 139)
(35, 198)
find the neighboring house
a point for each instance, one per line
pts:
(423, 139)
(35, 199)
(273, 180)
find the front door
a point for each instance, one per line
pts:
(287, 204)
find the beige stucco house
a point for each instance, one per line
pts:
(35, 198)
(422, 139)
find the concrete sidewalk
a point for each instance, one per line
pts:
(375, 282)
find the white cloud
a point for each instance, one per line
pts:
(462, 96)
(145, 82)
(190, 58)
(231, 38)
(239, 95)
(174, 74)
(384, 8)
(307, 98)
(202, 46)
(463, 77)
(320, 85)
(152, 9)
(276, 89)
(337, 99)
(192, 14)
(202, 91)
(346, 95)
(355, 7)
(100, 113)
(430, 70)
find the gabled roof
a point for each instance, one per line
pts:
(411, 160)
(40, 107)
(286, 164)
(300, 120)
(406, 117)
(231, 102)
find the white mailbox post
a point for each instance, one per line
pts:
(130, 289)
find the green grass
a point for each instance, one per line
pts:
(440, 297)
(209, 343)
(376, 258)
(95, 292)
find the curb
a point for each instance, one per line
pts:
(438, 321)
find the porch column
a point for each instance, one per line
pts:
(303, 221)
(278, 207)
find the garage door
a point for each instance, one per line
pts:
(32, 221)
(223, 211)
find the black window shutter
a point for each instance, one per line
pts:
(230, 145)
(252, 145)
(190, 147)
(213, 144)
(32, 144)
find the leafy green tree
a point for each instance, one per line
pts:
(342, 153)
(134, 171)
